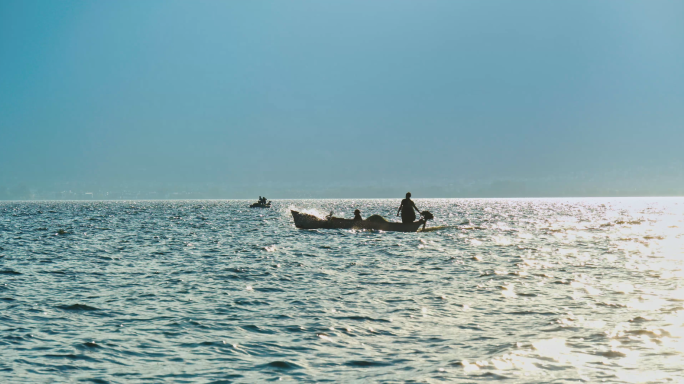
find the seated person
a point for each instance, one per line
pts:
(357, 215)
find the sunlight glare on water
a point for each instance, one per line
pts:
(528, 290)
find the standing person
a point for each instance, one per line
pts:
(406, 209)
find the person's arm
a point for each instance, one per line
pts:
(400, 205)
(414, 206)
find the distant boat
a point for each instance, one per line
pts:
(306, 221)
(261, 205)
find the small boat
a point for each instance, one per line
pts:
(306, 221)
(261, 205)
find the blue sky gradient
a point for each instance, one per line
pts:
(346, 93)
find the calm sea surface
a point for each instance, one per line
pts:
(527, 291)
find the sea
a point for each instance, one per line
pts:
(211, 291)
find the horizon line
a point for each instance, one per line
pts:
(350, 198)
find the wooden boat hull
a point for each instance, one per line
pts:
(306, 221)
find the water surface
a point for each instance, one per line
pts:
(526, 290)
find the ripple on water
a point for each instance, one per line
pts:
(280, 365)
(77, 307)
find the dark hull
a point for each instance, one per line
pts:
(306, 221)
(257, 205)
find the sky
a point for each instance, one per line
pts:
(341, 94)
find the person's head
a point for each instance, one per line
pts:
(408, 195)
(357, 212)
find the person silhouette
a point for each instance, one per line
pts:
(357, 215)
(406, 209)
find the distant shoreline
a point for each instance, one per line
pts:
(347, 198)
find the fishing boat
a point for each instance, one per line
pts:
(261, 205)
(378, 223)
